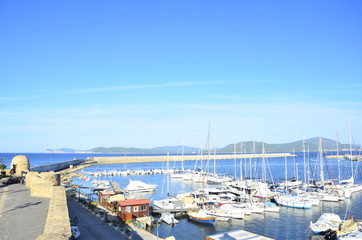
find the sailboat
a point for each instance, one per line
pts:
(169, 202)
(292, 201)
(180, 175)
(202, 215)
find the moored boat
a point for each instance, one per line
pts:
(139, 186)
(168, 218)
(201, 216)
(325, 221)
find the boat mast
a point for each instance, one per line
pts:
(295, 166)
(254, 149)
(241, 159)
(208, 148)
(168, 174)
(350, 148)
(286, 170)
(235, 161)
(321, 173)
(214, 145)
(264, 164)
(304, 163)
(250, 162)
(182, 160)
(338, 160)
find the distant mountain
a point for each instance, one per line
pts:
(170, 149)
(176, 149)
(311, 144)
(61, 150)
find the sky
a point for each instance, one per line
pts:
(84, 74)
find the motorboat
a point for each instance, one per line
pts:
(100, 185)
(226, 213)
(237, 208)
(139, 186)
(293, 202)
(270, 207)
(168, 203)
(325, 221)
(168, 218)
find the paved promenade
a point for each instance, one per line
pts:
(22, 217)
(94, 228)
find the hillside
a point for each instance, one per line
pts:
(311, 144)
(165, 149)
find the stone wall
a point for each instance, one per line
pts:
(47, 185)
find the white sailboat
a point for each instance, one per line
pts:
(169, 202)
(180, 175)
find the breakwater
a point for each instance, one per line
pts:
(142, 159)
(54, 167)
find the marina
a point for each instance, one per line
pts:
(261, 221)
(261, 217)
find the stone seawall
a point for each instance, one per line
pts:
(46, 185)
(54, 167)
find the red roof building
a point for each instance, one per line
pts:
(133, 202)
(133, 208)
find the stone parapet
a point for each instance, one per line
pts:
(40, 190)
(45, 178)
(46, 185)
(57, 224)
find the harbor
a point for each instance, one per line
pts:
(166, 176)
(169, 182)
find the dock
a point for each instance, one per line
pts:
(176, 210)
(237, 235)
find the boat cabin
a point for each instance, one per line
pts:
(133, 208)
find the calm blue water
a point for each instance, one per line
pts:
(287, 224)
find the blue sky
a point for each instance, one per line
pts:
(83, 74)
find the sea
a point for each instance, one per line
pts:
(288, 223)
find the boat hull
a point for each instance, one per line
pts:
(207, 220)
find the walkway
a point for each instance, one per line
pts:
(93, 227)
(22, 217)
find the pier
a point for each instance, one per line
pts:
(163, 158)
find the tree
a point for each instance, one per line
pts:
(2, 168)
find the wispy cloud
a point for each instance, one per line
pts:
(149, 86)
